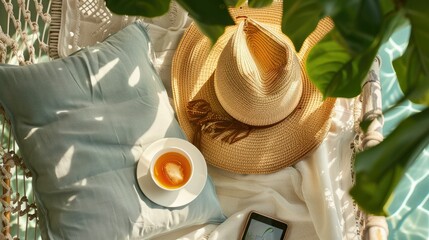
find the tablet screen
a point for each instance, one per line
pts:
(260, 227)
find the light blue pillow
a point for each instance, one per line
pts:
(82, 123)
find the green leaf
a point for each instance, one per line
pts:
(213, 12)
(333, 7)
(412, 69)
(336, 72)
(300, 18)
(213, 32)
(413, 75)
(387, 6)
(359, 23)
(379, 169)
(234, 3)
(210, 16)
(146, 8)
(391, 23)
(259, 3)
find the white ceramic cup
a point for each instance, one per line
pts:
(158, 173)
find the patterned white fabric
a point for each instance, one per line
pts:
(83, 23)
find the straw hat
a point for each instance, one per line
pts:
(246, 101)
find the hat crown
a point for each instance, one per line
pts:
(258, 76)
(268, 54)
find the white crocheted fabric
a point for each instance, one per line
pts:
(77, 24)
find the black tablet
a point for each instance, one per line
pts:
(262, 227)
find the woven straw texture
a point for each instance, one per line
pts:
(265, 149)
(263, 79)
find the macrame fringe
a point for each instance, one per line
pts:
(55, 28)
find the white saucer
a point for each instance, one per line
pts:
(172, 198)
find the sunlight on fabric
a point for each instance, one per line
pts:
(62, 111)
(63, 166)
(160, 118)
(70, 200)
(203, 233)
(31, 132)
(163, 118)
(340, 193)
(103, 71)
(339, 177)
(135, 77)
(329, 198)
(214, 235)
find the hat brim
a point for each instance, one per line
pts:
(264, 150)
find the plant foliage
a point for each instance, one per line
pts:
(338, 64)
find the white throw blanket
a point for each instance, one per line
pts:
(312, 197)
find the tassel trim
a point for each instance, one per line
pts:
(228, 130)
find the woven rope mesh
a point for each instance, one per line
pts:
(23, 31)
(24, 34)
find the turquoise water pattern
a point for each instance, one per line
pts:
(409, 209)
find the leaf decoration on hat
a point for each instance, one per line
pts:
(200, 114)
